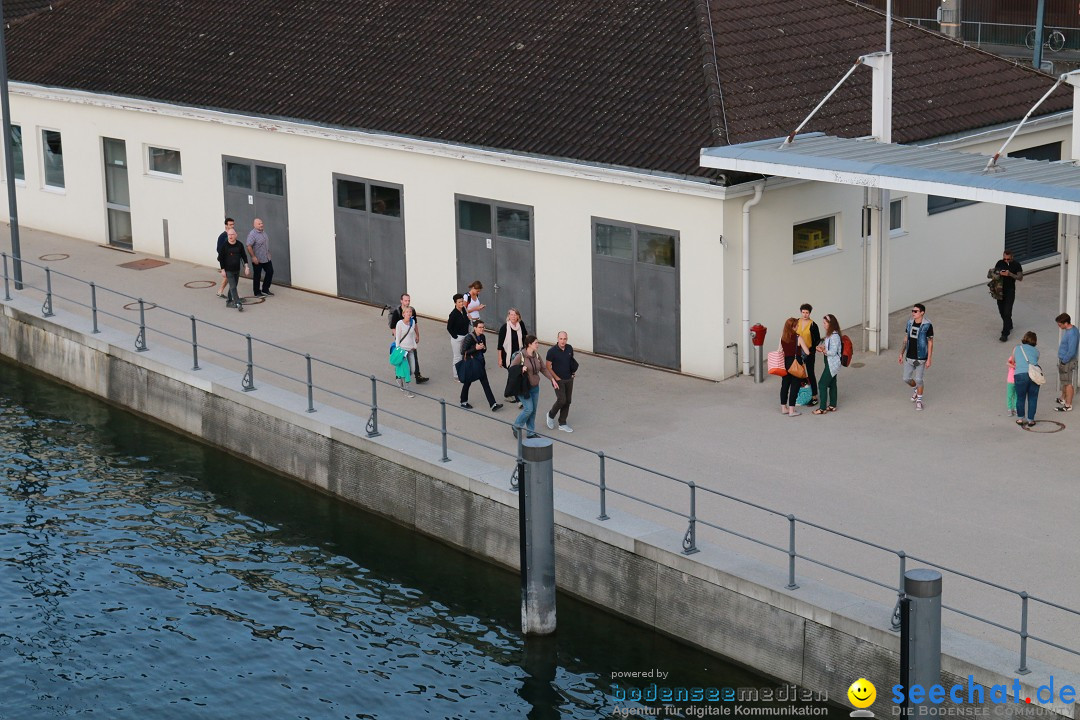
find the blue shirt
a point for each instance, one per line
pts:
(1022, 362)
(1070, 339)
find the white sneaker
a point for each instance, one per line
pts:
(566, 428)
(550, 422)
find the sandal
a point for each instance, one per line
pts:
(820, 411)
(1020, 423)
(831, 408)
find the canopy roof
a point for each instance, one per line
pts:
(1035, 184)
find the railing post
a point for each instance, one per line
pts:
(310, 385)
(194, 343)
(895, 624)
(7, 290)
(373, 419)
(603, 487)
(93, 306)
(791, 584)
(248, 382)
(140, 339)
(47, 308)
(442, 408)
(689, 542)
(1023, 669)
(519, 464)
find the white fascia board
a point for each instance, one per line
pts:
(566, 168)
(925, 187)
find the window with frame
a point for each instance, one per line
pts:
(52, 153)
(813, 235)
(17, 152)
(939, 203)
(896, 216)
(164, 161)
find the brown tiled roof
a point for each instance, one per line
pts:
(622, 82)
(18, 9)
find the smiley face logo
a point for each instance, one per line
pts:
(862, 693)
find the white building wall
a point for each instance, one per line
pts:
(563, 207)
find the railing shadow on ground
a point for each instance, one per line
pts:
(744, 519)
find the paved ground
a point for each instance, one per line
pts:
(958, 483)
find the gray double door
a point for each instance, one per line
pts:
(495, 246)
(257, 189)
(369, 231)
(636, 293)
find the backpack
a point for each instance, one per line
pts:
(846, 350)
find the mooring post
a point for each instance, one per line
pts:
(536, 521)
(922, 591)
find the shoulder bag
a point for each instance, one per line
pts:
(776, 363)
(1035, 373)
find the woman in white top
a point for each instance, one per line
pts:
(405, 337)
(472, 301)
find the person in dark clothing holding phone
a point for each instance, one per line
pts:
(476, 344)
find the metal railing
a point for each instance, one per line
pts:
(692, 491)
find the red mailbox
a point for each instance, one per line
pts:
(757, 334)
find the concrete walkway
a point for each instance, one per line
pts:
(958, 484)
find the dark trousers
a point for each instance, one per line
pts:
(808, 361)
(789, 385)
(828, 388)
(264, 270)
(563, 397)
(233, 296)
(1005, 306)
(483, 383)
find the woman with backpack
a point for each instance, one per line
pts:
(831, 349)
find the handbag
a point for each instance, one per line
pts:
(470, 369)
(517, 379)
(776, 363)
(804, 396)
(797, 369)
(1035, 373)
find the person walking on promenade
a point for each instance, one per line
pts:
(1008, 272)
(476, 344)
(792, 345)
(457, 325)
(811, 337)
(221, 240)
(562, 365)
(917, 351)
(1067, 360)
(395, 318)
(231, 258)
(534, 367)
(258, 243)
(830, 348)
(511, 338)
(1027, 392)
(406, 337)
(472, 301)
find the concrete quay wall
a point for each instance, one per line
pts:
(816, 637)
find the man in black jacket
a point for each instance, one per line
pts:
(231, 258)
(457, 325)
(474, 346)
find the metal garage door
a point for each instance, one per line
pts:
(369, 233)
(256, 189)
(495, 246)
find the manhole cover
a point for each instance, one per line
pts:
(54, 256)
(144, 264)
(135, 306)
(200, 284)
(252, 300)
(1046, 426)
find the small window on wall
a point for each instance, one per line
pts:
(269, 180)
(237, 175)
(351, 195)
(17, 152)
(614, 241)
(814, 235)
(52, 152)
(163, 161)
(474, 216)
(385, 201)
(513, 223)
(937, 204)
(656, 248)
(896, 217)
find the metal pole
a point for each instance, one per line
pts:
(310, 385)
(536, 520)
(603, 487)
(93, 306)
(248, 382)
(7, 290)
(897, 621)
(922, 587)
(1040, 20)
(47, 308)
(689, 542)
(791, 584)
(9, 157)
(759, 362)
(194, 343)
(442, 407)
(140, 339)
(1023, 669)
(373, 419)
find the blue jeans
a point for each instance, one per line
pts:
(527, 416)
(1027, 394)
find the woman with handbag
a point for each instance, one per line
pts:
(791, 344)
(1025, 360)
(405, 337)
(534, 367)
(511, 339)
(472, 352)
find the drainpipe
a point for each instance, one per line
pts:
(759, 188)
